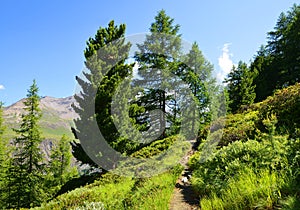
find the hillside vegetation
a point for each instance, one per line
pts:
(258, 168)
(257, 162)
(111, 191)
(249, 159)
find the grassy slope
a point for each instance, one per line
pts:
(120, 193)
(52, 126)
(256, 165)
(116, 192)
(244, 188)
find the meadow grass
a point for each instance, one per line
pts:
(247, 191)
(120, 193)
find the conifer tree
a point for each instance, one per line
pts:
(60, 168)
(105, 56)
(240, 86)
(277, 63)
(26, 169)
(198, 75)
(158, 59)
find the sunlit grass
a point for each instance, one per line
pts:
(120, 193)
(247, 191)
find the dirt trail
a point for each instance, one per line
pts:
(184, 198)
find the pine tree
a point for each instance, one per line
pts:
(26, 168)
(240, 86)
(60, 162)
(277, 63)
(284, 47)
(158, 59)
(105, 56)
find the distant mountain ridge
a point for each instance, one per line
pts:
(57, 116)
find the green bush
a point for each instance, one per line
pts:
(256, 165)
(285, 104)
(248, 190)
(225, 163)
(239, 127)
(116, 192)
(156, 147)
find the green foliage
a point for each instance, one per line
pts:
(240, 87)
(115, 192)
(247, 124)
(162, 71)
(294, 170)
(156, 147)
(60, 170)
(285, 104)
(226, 162)
(105, 56)
(156, 158)
(25, 176)
(239, 127)
(155, 192)
(257, 162)
(4, 154)
(2, 127)
(197, 74)
(291, 203)
(247, 190)
(111, 194)
(278, 62)
(158, 59)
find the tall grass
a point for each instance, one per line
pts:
(247, 191)
(110, 194)
(120, 193)
(156, 192)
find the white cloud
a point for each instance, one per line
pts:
(225, 62)
(2, 87)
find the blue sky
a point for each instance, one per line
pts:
(44, 40)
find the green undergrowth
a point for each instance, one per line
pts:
(256, 164)
(113, 191)
(248, 122)
(157, 157)
(247, 190)
(156, 147)
(117, 192)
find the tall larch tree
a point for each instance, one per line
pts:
(158, 58)
(197, 73)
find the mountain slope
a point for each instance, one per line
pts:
(56, 120)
